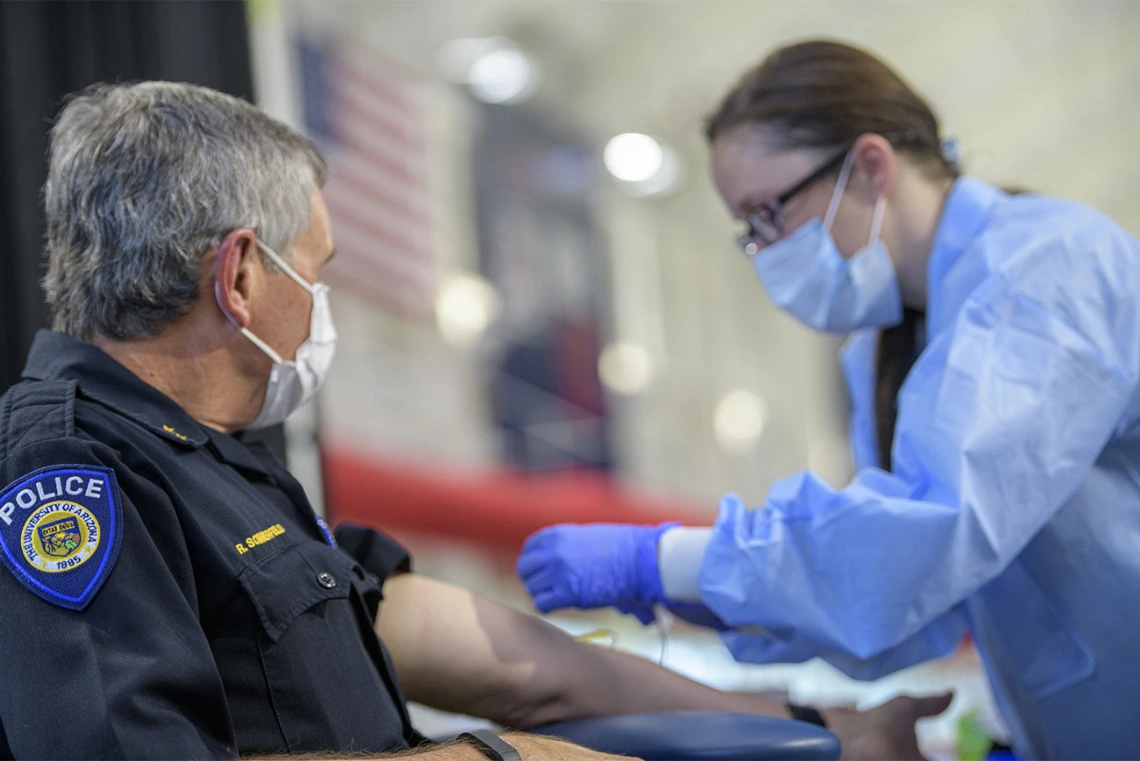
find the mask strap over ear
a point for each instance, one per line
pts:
(877, 219)
(292, 273)
(245, 331)
(263, 346)
(840, 186)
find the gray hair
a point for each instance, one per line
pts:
(144, 180)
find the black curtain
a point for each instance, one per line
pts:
(49, 49)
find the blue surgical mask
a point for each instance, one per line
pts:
(807, 277)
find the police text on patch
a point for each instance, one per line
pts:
(71, 486)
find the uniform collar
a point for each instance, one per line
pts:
(969, 206)
(233, 451)
(56, 356)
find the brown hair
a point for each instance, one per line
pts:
(822, 94)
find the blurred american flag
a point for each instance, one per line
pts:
(366, 113)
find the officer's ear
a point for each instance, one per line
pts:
(236, 272)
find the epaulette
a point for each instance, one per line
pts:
(40, 408)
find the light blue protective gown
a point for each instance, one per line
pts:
(1014, 508)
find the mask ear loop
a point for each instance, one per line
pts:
(263, 346)
(245, 331)
(840, 186)
(292, 273)
(877, 219)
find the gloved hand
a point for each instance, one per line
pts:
(594, 566)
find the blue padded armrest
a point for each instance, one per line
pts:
(700, 736)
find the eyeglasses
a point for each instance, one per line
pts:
(766, 220)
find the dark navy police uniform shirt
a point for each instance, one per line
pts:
(168, 590)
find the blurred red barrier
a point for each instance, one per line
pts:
(497, 509)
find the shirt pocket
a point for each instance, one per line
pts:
(295, 579)
(325, 691)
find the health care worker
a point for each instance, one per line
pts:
(992, 369)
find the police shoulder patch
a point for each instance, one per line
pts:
(60, 529)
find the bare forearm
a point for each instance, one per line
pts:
(455, 651)
(530, 748)
(448, 752)
(602, 682)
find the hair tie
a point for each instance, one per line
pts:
(951, 151)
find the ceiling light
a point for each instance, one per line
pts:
(739, 420)
(625, 368)
(494, 68)
(644, 166)
(465, 308)
(633, 157)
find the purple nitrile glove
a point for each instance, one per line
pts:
(594, 566)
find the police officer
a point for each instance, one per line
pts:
(168, 590)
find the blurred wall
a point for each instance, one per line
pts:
(1041, 95)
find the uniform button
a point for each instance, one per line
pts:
(326, 580)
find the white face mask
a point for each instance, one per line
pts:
(806, 276)
(293, 383)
